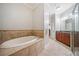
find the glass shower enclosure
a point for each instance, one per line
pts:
(75, 33)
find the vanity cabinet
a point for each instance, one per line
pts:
(63, 37)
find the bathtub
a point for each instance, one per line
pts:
(18, 42)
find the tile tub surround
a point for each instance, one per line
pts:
(11, 34)
(39, 33)
(0, 37)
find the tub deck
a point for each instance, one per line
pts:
(10, 51)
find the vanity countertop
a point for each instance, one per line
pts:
(64, 31)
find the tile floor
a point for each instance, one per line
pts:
(54, 48)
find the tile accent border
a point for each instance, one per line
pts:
(11, 34)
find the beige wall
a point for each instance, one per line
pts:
(15, 17)
(38, 18)
(20, 17)
(18, 20)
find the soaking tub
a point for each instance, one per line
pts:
(18, 42)
(22, 45)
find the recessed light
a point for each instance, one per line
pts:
(58, 8)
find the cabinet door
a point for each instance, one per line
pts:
(66, 38)
(58, 36)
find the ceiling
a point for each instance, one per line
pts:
(58, 7)
(32, 5)
(51, 7)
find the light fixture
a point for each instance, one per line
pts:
(58, 8)
(64, 18)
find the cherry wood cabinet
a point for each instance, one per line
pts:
(63, 37)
